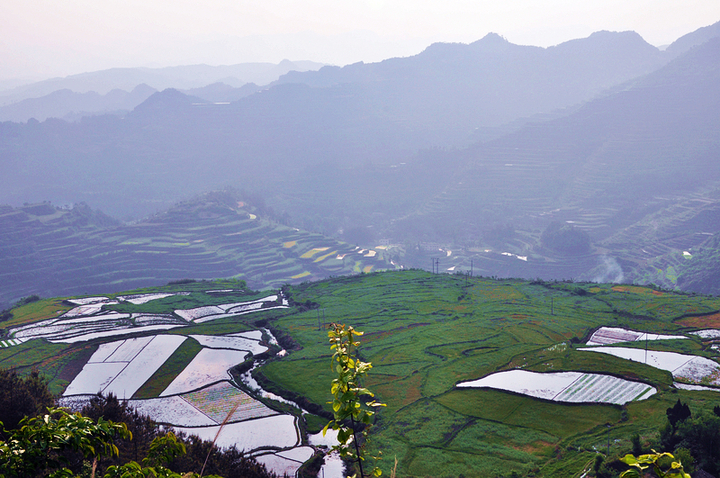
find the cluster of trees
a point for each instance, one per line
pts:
(566, 238)
(107, 438)
(690, 440)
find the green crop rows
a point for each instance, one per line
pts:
(424, 333)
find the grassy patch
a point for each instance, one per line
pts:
(36, 311)
(167, 372)
(314, 424)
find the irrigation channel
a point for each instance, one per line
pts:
(333, 466)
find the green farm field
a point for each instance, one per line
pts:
(424, 333)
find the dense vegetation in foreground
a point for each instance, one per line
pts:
(107, 439)
(425, 332)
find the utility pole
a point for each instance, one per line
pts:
(471, 267)
(608, 439)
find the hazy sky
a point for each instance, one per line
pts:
(44, 38)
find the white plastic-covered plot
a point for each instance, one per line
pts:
(688, 367)
(129, 349)
(30, 331)
(172, 410)
(707, 333)
(114, 333)
(540, 385)
(227, 307)
(208, 366)
(599, 388)
(199, 312)
(140, 299)
(285, 463)
(697, 388)
(574, 387)
(209, 318)
(72, 326)
(276, 431)
(94, 378)
(251, 334)
(246, 308)
(144, 365)
(111, 317)
(90, 309)
(222, 402)
(614, 335)
(333, 466)
(206, 407)
(230, 342)
(11, 342)
(123, 368)
(699, 369)
(328, 440)
(106, 350)
(88, 300)
(154, 319)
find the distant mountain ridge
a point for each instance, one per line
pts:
(68, 105)
(381, 150)
(40, 100)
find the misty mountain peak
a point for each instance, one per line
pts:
(698, 37)
(492, 42)
(610, 42)
(167, 98)
(493, 39)
(143, 89)
(168, 101)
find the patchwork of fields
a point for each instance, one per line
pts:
(180, 379)
(481, 377)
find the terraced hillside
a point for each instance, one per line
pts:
(49, 251)
(637, 169)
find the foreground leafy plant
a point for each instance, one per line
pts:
(664, 465)
(163, 450)
(348, 403)
(39, 444)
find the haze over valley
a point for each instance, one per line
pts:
(197, 201)
(596, 159)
